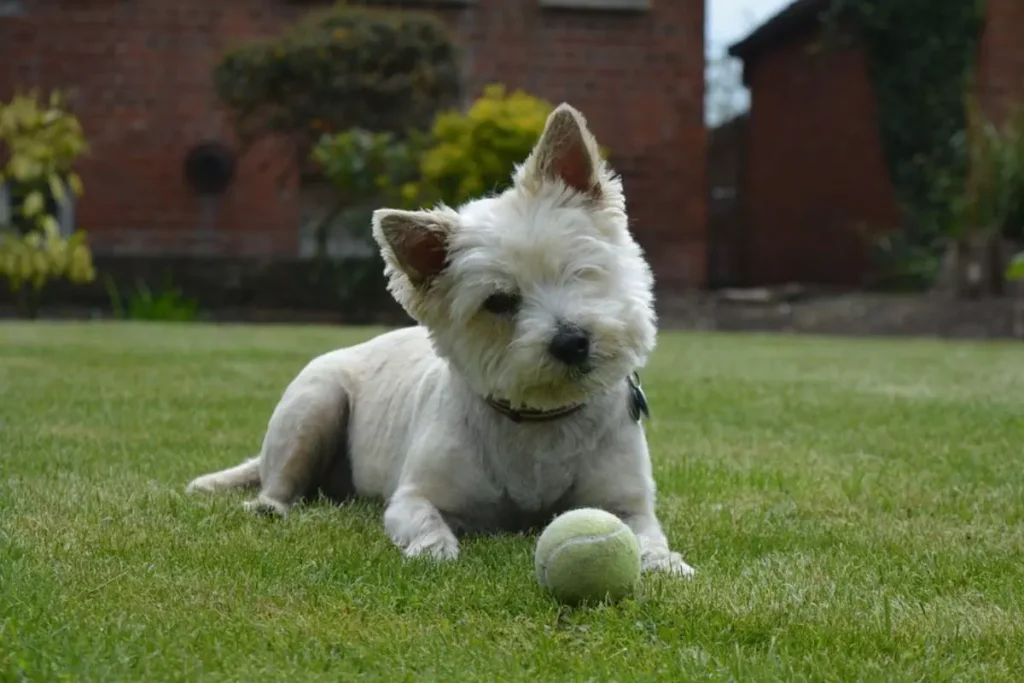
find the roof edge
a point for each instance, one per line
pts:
(792, 18)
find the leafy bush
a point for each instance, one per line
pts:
(475, 152)
(367, 170)
(993, 198)
(1015, 269)
(921, 58)
(342, 68)
(462, 156)
(40, 142)
(988, 198)
(363, 164)
(169, 304)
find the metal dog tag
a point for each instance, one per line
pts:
(637, 399)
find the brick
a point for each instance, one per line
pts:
(1000, 82)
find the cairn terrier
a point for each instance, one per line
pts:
(515, 398)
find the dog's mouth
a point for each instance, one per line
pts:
(548, 384)
(578, 373)
(553, 393)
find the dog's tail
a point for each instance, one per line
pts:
(244, 475)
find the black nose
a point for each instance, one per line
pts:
(571, 346)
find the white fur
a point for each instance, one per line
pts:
(406, 411)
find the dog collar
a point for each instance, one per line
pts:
(531, 414)
(637, 406)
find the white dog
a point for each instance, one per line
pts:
(514, 399)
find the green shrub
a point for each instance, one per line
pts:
(920, 56)
(168, 304)
(342, 68)
(1015, 269)
(367, 170)
(994, 195)
(40, 141)
(474, 152)
(463, 155)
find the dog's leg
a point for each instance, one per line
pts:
(633, 502)
(621, 483)
(301, 440)
(240, 476)
(416, 526)
(654, 551)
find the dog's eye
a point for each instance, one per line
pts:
(502, 303)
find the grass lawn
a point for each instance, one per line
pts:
(854, 509)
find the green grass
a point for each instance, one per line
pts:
(854, 510)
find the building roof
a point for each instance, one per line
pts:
(791, 19)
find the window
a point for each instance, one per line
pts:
(5, 206)
(11, 8)
(722, 193)
(64, 212)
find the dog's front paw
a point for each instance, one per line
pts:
(437, 545)
(667, 561)
(265, 506)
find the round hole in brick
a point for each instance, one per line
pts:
(209, 167)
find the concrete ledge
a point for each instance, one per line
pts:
(599, 5)
(853, 314)
(351, 291)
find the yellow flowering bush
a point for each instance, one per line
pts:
(463, 155)
(41, 255)
(474, 152)
(40, 141)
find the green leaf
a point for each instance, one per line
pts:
(75, 183)
(1015, 270)
(22, 168)
(57, 188)
(33, 204)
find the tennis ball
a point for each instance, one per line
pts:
(587, 555)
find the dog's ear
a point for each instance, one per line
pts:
(415, 242)
(566, 151)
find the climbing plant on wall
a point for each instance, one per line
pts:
(921, 57)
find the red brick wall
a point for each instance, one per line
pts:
(142, 73)
(1001, 58)
(815, 177)
(815, 171)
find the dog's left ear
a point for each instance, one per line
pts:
(415, 242)
(566, 151)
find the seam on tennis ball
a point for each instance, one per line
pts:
(579, 540)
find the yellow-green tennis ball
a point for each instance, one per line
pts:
(588, 555)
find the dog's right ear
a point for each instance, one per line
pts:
(415, 242)
(566, 151)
